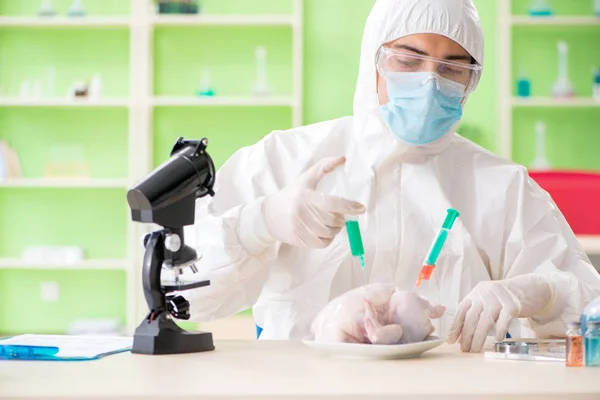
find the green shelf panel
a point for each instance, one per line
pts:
(28, 55)
(535, 50)
(572, 139)
(94, 219)
(187, 325)
(332, 37)
(196, 326)
(246, 313)
(480, 111)
(102, 135)
(560, 7)
(93, 7)
(182, 53)
(227, 128)
(246, 7)
(82, 295)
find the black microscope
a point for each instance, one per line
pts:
(167, 197)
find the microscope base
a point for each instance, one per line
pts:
(163, 336)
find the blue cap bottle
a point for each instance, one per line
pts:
(591, 313)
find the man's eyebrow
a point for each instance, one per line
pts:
(452, 57)
(459, 57)
(410, 48)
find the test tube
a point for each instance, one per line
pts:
(262, 87)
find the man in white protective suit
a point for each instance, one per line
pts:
(273, 236)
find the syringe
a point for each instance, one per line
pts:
(354, 237)
(352, 227)
(436, 247)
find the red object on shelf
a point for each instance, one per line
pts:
(577, 195)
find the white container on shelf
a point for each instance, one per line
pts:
(3, 168)
(95, 88)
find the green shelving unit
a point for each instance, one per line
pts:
(87, 212)
(530, 43)
(151, 66)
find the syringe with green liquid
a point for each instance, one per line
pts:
(355, 239)
(352, 228)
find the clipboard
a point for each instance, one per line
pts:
(62, 347)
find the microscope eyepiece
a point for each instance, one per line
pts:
(167, 196)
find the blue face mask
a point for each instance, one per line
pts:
(422, 106)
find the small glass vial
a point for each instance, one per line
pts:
(574, 345)
(596, 86)
(523, 86)
(592, 344)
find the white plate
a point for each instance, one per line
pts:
(396, 351)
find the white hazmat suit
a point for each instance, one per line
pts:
(508, 226)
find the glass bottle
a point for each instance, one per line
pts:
(574, 345)
(523, 85)
(592, 344)
(590, 313)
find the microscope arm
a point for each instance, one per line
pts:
(151, 272)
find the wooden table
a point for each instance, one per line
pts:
(289, 370)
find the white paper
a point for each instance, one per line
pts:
(74, 346)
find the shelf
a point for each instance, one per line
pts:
(551, 102)
(590, 243)
(64, 183)
(223, 101)
(568, 21)
(16, 263)
(65, 22)
(140, 105)
(224, 20)
(62, 102)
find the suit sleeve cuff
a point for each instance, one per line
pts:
(252, 231)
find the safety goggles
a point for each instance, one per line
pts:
(461, 78)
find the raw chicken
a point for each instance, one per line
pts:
(376, 314)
